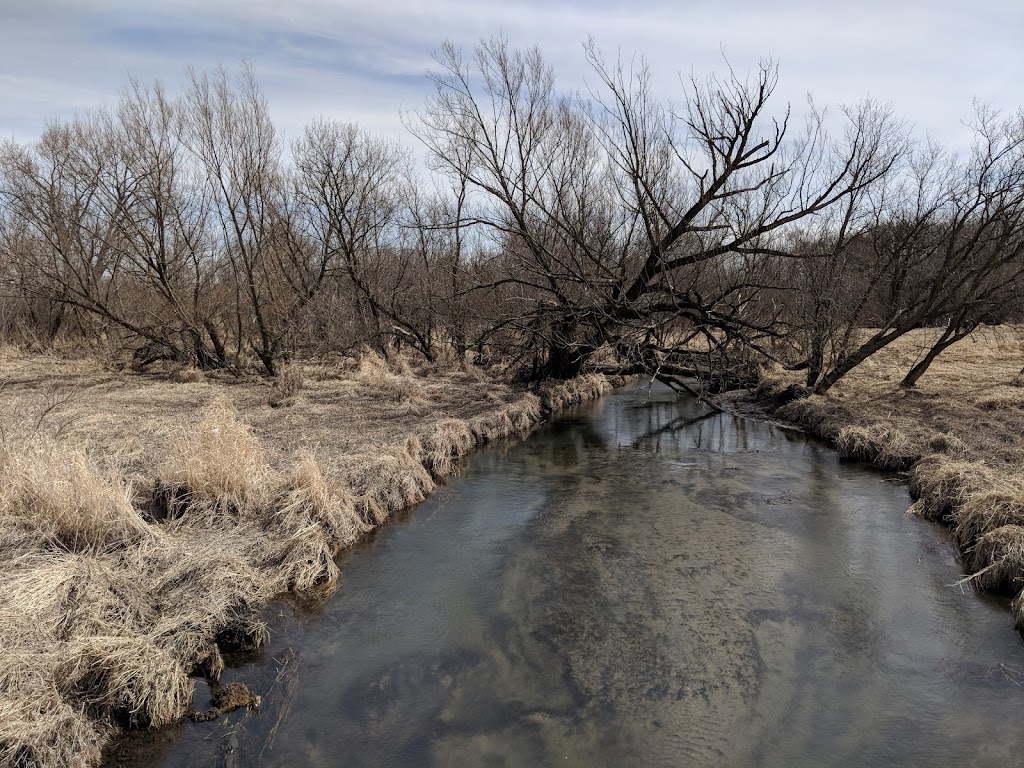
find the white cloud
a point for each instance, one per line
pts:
(362, 61)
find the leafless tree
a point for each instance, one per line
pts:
(226, 127)
(628, 225)
(559, 229)
(352, 193)
(943, 248)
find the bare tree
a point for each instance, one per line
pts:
(163, 231)
(113, 222)
(944, 247)
(625, 224)
(226, 126)
(352, 193)
(561, 230)
(67, 193)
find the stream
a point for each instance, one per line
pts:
(642, 582)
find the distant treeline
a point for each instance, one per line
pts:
(553, 232)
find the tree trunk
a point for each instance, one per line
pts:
(563, 362)
(815, 361)
(218, 344)
(862, 353)
(949, 337)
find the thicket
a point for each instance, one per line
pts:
(551, 231)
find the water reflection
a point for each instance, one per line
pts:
(643, 583)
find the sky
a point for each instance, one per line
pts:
(366, 61)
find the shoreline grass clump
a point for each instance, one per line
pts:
(60, 496)
(996, 560)
(558, 395)
(940, 485)
(201, 587)
(309, 521)
(877, 444)
(43, 730)
(385, 483)
(124, 680)
(986, 509)
(813, 413)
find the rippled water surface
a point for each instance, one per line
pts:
(640, 583)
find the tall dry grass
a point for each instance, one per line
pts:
(214, 471)
(560, 395)
(125, 581)
(62, 499)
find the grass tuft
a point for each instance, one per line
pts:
(942, 484)
(1000, 400)
(559, 395)
(288, 383)
(877, 444)
(982, 510)
(61, 497)
(215, 470)
(996, 560)
(125, 681)
(187, 375)
(43, 731)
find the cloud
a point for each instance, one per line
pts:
(363, 61)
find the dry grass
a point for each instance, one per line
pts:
(288, 383)
(145, 519)
(1001, 399)
(997, 558)
(969, 394)
(69, 739)
(941, 485)
(377, 377)
(215, 470)
(564, 394)
(983, 509)
(128, 680)
(960, 431)
(187, 375)
(878, 444)
(61, 498)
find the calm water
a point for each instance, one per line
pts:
(645, 584)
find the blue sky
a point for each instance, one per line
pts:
(364, 61)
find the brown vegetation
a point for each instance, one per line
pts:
(958, 432)
(145, 519)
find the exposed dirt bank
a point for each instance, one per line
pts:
(145, 519)
(959, 434)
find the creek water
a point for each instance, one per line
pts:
(644, 583)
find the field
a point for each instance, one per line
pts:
(146, 518)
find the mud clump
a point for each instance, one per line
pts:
(226, 699)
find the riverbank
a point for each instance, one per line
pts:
(145, 519)
(959, 434)
(639, 583)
